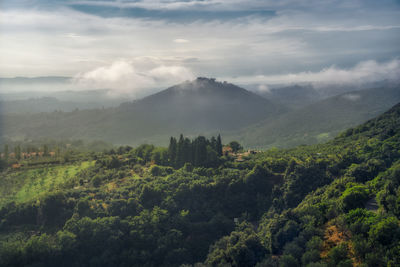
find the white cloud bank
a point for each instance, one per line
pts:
(143, 76)
(363, 72)
(132, 79)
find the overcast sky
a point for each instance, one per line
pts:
(131, 45)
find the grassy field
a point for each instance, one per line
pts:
(25, 185)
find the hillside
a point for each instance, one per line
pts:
(49, 101)
(319, 121)
(307, 206)
(199, 106)
(43, 104)
(294, 97)
(205, 106)
(301, 95)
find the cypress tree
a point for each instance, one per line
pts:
(187, 151)
(180, 158)
(219, 146)
(200, 151)
(213, 143)
(172, 149)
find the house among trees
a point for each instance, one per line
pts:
(227, 150)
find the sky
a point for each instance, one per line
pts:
(132, 46)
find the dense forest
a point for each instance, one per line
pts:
(190, 204)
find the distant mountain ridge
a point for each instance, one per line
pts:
(44, 104)
(206, 104)
(321, 120)
(200, 106)
(40, 79)
(207, 107)
(300, 95)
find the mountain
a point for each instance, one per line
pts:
(295, 96)
(33, 80)
(25, 84)
(200, 106)
(300, 95)
(319, 121)
(44, 104)
(205, 106)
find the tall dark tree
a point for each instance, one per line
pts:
(172, 151)
(213, 143)
(187, 151)
(200, 151)
(219, 145)
(180, 157)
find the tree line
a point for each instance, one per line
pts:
(198, 152)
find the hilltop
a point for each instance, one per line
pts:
(202, 106)
(194, 107)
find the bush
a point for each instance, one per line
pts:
(155, 170)
(96, 181)
(288, 261)
(310, 256)
(385, 232)
(353, 197)
(338, 255)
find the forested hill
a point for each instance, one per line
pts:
(195, 107)
(320, 121)
(335, 204)
(202, 105)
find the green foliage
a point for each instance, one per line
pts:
(338, 256)
(235, 146)
(240, 248)
(353, 197)
(200, 152)
(185, 205)
(385, 232)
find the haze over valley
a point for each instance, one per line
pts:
(199, 133)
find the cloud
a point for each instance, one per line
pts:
(299, 36)
(363, 72)
(181, 41)
(125, 78)
(152, 5)
(352, 97)
(226, 4)
(263, 88)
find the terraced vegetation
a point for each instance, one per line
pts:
(25, 185)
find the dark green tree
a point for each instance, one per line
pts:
(219, 145)
(200, 149)
(187, 151)
(180, 157)
(235, 146)
(172, 151)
